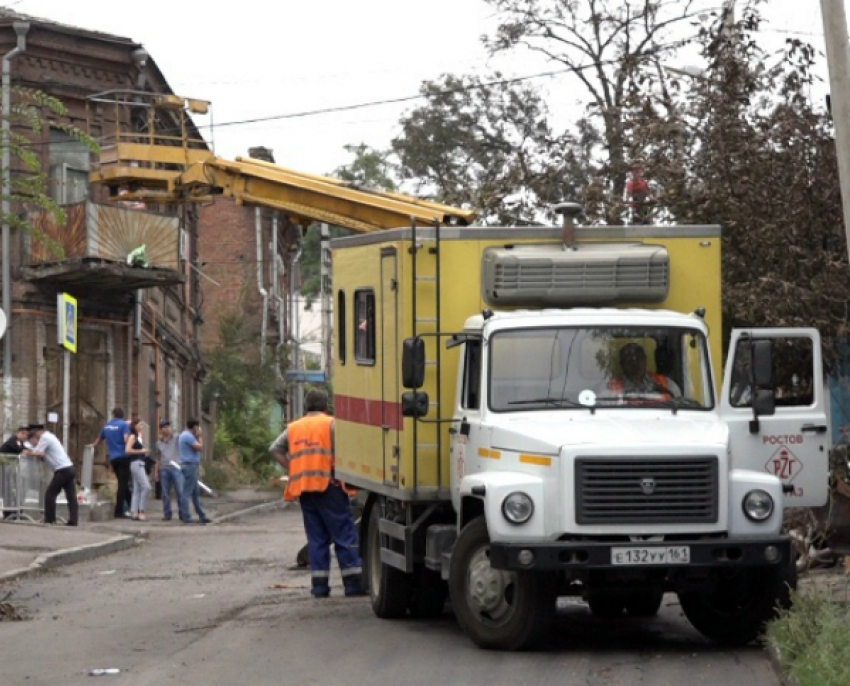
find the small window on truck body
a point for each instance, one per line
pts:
(340, 325)
(364, 327)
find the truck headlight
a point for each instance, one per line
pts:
(758, 505)
(517, 508)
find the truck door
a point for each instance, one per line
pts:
(792, 443)
(390, 361)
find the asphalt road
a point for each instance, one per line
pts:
(218, 605)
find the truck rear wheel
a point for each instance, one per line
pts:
(741, 603)
(389, 588)
(497, 608)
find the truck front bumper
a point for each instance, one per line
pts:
(701, 553)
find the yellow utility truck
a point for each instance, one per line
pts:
(538, 412)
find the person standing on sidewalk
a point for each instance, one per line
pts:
(15, 444)
(51, 451)
(167, 472)
(306, 448)
(136, 452)
(115, 434)
(190, 445)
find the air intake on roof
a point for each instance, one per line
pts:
(592, 274)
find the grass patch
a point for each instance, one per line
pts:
(813, 639)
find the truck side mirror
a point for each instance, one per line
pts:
(764, 403)
(763, 364)
(413, 363)
(414, 404)
(764, 394)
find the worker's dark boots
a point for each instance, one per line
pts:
(320, 589)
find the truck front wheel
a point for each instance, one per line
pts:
(736, 610)
(389, 588)
(497, 608)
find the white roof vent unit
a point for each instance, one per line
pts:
(591, 274)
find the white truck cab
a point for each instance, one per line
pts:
(590, 444)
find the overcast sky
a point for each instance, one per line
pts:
(256, 58)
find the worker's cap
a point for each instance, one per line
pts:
(164, 422)
(35, 427)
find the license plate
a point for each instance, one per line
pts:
(638, 555)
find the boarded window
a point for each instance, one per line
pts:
(364, 327)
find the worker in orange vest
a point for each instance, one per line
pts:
(306, 448)
(636, 379)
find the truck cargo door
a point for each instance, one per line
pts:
(793, 442)
(390, 362)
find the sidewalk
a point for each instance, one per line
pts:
(26, 548)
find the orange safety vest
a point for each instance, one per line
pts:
(311, 455)
(616, 385)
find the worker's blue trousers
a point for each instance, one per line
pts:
(327, 517)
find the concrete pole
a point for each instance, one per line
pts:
(21, 29)
(838, 60)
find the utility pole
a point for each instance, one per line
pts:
(838, 60)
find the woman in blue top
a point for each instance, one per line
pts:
(136, 451)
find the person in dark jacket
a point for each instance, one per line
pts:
(15, 444)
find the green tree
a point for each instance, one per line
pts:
(488, 144)
(245, 390)
(607, 45)
(32, 110)
(758, 158)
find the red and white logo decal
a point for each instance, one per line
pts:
(784, 464)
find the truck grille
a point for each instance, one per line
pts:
(632, 490)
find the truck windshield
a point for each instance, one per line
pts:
(580, 368)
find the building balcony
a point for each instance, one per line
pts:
(89, 253)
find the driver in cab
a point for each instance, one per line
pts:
(636, 380)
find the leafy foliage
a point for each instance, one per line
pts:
(813, 640)
(488, 144)
(607, 45)
(755, 156)
(245, 390)
(33, 110)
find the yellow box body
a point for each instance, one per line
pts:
(376, 448)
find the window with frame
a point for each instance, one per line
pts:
(364, 326)
(69, 168)
(340, 325)
(471, 393)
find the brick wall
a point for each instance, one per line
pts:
(228, 255)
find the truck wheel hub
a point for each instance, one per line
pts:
(487, 586)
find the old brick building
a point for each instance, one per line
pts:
(138, 338)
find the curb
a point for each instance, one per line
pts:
(776, 662)
(254, 509)
(71, 556)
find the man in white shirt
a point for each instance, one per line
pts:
(50, 450)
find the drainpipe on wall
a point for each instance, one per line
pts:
(258, 219)
(21, 29)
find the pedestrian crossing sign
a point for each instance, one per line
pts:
(67, 321)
